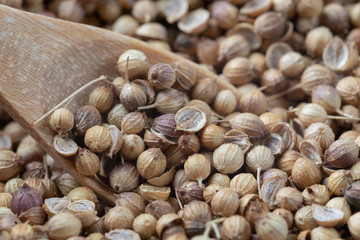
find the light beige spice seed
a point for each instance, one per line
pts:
(228, 158)
(98, 139)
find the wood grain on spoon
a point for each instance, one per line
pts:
(44, 60)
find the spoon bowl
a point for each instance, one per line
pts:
(44, 60)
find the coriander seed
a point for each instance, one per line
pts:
(189, 143)
(98, 139)
(271, 226)
(87, 162)
(228, 158)
(138, 64)
(161, 76)
(144, 225)
(118, 217)
(102, 98)
(305, 173)
(225, 202)
(151, 163)
(212, 136)
(85, 118)
(133, 123)
(132, 146)
(225, 102)
(197, 167)
(62, 120)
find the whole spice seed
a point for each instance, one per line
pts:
(210, 191)
(317, 39)
(124, 177)
(317, 193)
(235, 227)
(339, 181)
(98, 139)
(205, 89)
(30, 151)
(185, 75)
(244, 183)
(197, 167)
(85, 118)
(87, 162)
(352, 194)
(133, 123)
(132, 201)
(305, 173)
(324, 233)
(225, 102)
(25, 198)
(63, 226)
(225, 202)
(151, 163)
(195, 215)
(8, 221)
(189, 143)
(138, 63)
(258, 159)
(166, 125)
(13, 185)
(249, 124)
(352, 223)
(341, 154)
(161, 76)
(10, 165)
(220, 179)
(289, 198)
(271, 226)
(167, 101)
(158, 208)
(212, 136)
(225, 14)
(118, 217)
(304, 218)
(239, 71)
(61, 120)
(228, 158)
(144, 225)
(320, 132)
(116, 115)
(102, 98)
(251, 99)
(190, 191)
(132, 146)
(132, 96)
(22, 231)
(233, 46)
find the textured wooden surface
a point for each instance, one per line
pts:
(44, 60)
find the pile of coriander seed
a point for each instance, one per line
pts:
(276, 159)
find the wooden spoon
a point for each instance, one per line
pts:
(44, 60)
